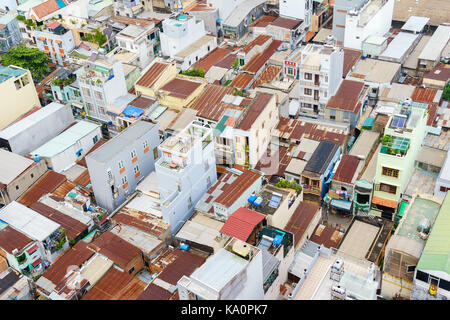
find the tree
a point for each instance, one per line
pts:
(27, 58)
(99, 37)
(446, 93)
(194, 72)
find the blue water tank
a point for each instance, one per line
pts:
(277, 240)
(184, 246)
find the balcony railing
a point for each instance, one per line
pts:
(309, 67)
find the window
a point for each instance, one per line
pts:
(410, 268)
(25, 80)
(326, 78)
(90, 107)
(208, 182)
(325, 93)
(98, 95)
(145, 143)
(155, 153)
(346, 114)
(390, 172)
(17, 187)
(136, 169)
(308, 92)
(131, 270)
(101, 110)
(308, 76)
(95, 139)
(124, 179)
(290, 71)
(121, 164)
(32, 176)
(86, 92)
(444, 189)
(388, 188)
(17, 84)
(444, 284)
(133, 154)
(189, 202)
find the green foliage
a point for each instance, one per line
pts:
(194, 72)
(227, 83)
(72, 243)
(238, 92)
(446, 93)
(57, 82)
(289, 185)
(99, 38)
(27, 58)
(235, 63)
(386, 139)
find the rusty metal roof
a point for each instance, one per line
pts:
(350, 58)
(180, 88)
(259, 60)
(212, 58)
(72, 226)
(346, 169)
(184, 265)
(208, 102)
(241, 81)
(425, 95)
(11, 239)
(115, 248)
(116, 285)
(257, 106)
(46, 184)
(301, 219)
(154, 292)
(269, 73)
(152, 75)
(347, 96)
(233, 191)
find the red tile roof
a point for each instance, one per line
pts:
(11, 239)
(48, 7)
(346, 169)
(46, 184)
(115, 248)
(241, 223)
(347, 96)
(180, 88)
(149, 78)
(301, 219)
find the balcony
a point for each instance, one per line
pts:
(309, 84)
(311, 189)
(310, 67)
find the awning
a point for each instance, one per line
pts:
(32, 249)
(402, 208)
(36, 263)
(341, 204)
(384, 202)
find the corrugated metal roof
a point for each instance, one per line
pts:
(46, 184)
(116, 285)
(152, 75)
(436, 254)
(11, 239)
(154, 292)
(185, 263)
(346, 169)
(241, 223)
(28, 221)
(115, 248)
(72, 226)
(301, 219)
(12, 166)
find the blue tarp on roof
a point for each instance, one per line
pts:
(341, 204)
(60, 3)
(368, 122)
(252, 198)
(131, 111)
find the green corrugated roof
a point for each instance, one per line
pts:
(402, 208)
(436, 254)
(221, 125)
